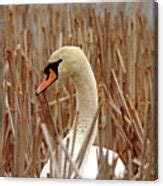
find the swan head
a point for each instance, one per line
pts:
(64, 62)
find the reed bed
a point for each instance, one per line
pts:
(121, 49)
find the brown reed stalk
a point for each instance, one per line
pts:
(120, 46)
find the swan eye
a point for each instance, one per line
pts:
(53, 66)
(51, 75)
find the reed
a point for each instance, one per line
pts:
(120, 48)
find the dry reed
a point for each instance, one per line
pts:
(121, 50)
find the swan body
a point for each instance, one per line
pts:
(71, 61)
(91, 167)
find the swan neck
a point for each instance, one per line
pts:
(86, 96)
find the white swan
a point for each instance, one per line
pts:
(71, 61)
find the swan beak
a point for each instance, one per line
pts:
(46, 82)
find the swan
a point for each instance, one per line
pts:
(71, 61)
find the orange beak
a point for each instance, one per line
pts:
(46, 82)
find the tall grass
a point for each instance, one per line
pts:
(120, 47)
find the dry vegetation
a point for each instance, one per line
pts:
(120, 48)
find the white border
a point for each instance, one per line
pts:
(4, 2)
